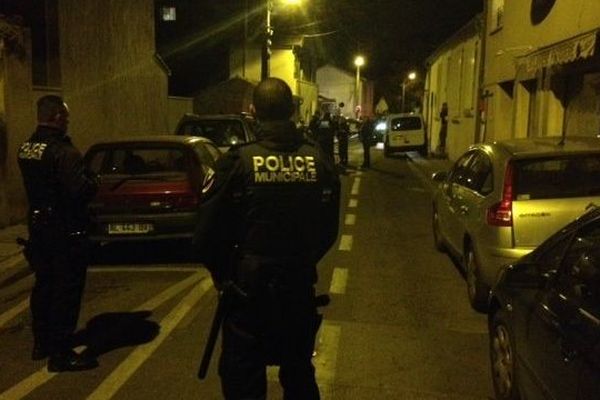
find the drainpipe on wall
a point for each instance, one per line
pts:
(480, 92)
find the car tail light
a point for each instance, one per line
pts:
(500, 214)
(187, 201)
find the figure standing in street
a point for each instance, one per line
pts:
(270, 214)
(324, 135)
(58, 190)
(343, 132)
(443, 129)
(366, 137)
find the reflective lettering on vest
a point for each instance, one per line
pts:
(32, 151)
(284, 169)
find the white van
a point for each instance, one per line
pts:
(404, 132)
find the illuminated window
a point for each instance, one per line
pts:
(169, 13)
(497, 13)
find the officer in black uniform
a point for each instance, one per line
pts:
(275, 210)
(58, 190)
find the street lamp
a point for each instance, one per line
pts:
(410, 77)
(359, 61)
(266, 53)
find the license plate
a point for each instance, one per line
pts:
(127, 229)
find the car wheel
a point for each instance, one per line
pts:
(477, 291)
(503, 358)
(438, 240)
(423, 151)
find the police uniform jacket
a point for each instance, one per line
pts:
(55, 179)
(277, 200)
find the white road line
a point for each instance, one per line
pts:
(42, 376)
(355, 186)
(13, 312)
(353, 203)
(345, 243)
(338, 281)
(111, 385)
(350, 219)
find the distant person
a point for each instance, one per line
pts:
(59, 189)
(366, 137)
(443, 129)
(313, 124)
(325, 134)
(343, 132)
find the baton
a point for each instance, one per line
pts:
(212, 337)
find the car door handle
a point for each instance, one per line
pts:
(463, 210)
(568, 352)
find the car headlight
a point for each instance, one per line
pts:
(380, 126)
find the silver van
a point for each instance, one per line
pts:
(403, 132)
(501, 200)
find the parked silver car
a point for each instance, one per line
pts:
(500, 200)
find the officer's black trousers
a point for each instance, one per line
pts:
(270, 331)
(366, 153)
(60, 265)
(343, 149)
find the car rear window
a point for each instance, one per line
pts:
(221, 132)
(406, 124)
(576, 176)
(136, 160)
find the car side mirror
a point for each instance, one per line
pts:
(439, 176)
(527, 275)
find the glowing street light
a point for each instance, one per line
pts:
(359, 61)
(412, 75)
(266, 56)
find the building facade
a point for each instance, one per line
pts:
(453, 75)
(542, 69)
(98, 55)
(341, 86)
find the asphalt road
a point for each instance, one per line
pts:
(399, 325)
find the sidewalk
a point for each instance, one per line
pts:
(11, 257)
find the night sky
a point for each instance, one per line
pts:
(395, 36)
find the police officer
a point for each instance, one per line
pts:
(58, 191)
(275, 214)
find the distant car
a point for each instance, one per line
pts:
(150, 186)
(501, 200)
(225, 130)
(544, 318)
(402, 133)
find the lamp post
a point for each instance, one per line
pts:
(359, 61)
(410, 77)
(266, 51)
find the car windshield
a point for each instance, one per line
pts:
(131, 160)
(575, 176)
(406, 123)
(222, 132)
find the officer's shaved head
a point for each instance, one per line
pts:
(52, 111)
(273, 100)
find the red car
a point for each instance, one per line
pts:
(150, 186)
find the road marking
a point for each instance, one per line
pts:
(350, 219)
(359, 173)
(353, 203)
(42, 376)
(111, 385)
(338, 281)
(13, 312)
(345, 243)
(355, 186)
(13, 261)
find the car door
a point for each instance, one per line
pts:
(471, 202)
(451, 197)
(564, 326)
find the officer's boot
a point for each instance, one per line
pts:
(63, 358)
